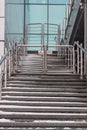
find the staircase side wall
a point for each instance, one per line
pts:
(72, 19)
(2, 27)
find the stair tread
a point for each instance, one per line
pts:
(39, 103)
(34, 98)
(47, 94)
(42, 109)
(45, 124)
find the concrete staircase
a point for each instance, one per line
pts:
(44, 101)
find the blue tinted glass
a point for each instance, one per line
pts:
(38, 1)
(57, 1)
(37, 11)
(37, 14)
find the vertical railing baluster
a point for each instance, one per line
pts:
(16, 56)
(0, 82)
(78, 60)
(73, 59)
(46, 58)
(68, 57)
(5, 80)
(42, 36)
(9, 66)
(81, 63)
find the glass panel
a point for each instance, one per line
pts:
(34, 35)
(56, 14)
(57, 1)
(38, 1)
(37, 14)
(14, 20)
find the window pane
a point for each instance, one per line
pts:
(54, 14)
(38, 1)
(37, 14)
(57, 1)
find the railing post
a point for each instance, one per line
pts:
(45, 59)
(13, 59)
(81, 68)
(5, 81)
(68, 57)
(42, 36)
(9, 67)
(0, 82)
(73, 59)
(24, 50)
(11, 62)
(65, 54)
(16, 56)
(78, 60)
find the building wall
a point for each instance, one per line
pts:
(2, 26)
(71, 20)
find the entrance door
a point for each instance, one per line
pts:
(41, 12)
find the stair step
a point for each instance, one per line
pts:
(11, 108)
(45, 94)
(22, 85)
(40, 98)
(65, 128)
(38, 89)
(48, 83)
(45, 124)
(42, 116)
(46, 76)
(46, 80)
(39, 103)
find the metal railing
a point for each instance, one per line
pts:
(7, 66)
(66, 52)
(21, 55)
(80, 55)
(16, 52)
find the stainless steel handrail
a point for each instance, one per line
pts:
(7, 53)
(8, 65)
(80, 47)
(80, 59)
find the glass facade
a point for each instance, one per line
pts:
(33, 14)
